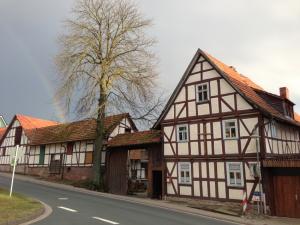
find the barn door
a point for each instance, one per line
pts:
(287, 196)
(117, 172)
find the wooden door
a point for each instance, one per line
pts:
(117, 172)
(55, 164)
(157, 184)
(287, 196)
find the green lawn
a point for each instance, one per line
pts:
(17, 207)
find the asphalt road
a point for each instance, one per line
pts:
(72, 208)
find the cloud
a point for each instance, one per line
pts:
(259, 38)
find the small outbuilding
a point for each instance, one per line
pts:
(133, 160)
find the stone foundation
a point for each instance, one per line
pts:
(5, 168)
(78, 173)
(70, 173)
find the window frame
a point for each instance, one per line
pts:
(241, 174)
(236, 129)
(187, 132)
(273, 129)
(197, 92)
(190, 173)
(3, 151)
(18, 135)
(127, 130)
(70, 148)
(42, 156)
(254, 172)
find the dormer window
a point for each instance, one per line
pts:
(202, 92)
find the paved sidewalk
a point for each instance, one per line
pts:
(166, 205)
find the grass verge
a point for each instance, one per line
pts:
(18, 208)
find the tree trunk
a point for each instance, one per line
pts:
(98, 180)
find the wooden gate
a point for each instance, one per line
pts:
(117, 172)
(287, 196)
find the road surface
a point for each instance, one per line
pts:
(74, 208)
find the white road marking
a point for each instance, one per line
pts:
(68, 209)
(104, 220)
(62, 198)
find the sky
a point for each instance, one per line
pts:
(259, 38)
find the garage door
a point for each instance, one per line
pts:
(287, 196)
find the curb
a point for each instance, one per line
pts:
(46, 212)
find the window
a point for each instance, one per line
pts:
(235, 174)
(202, 92)
(185, 173)
(273, 129)
(127, 130)
(230, 130)
(70, 147)
(182, 133)
(3, 151)
(42, 154)
(103, 158)
(254, 169)
(18, 135)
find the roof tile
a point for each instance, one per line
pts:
(2, 132)
(135, 139)
(74, 131)
(28, 122)
(247, 88)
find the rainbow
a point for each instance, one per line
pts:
(39, 72)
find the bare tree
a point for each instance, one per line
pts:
(105, 65)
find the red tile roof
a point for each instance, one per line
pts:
(2, 131)
(74, 131)
(231, 71)
(247, 88)
(297, 117)
(135, 139)
(28, 122)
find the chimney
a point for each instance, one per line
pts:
(284, 92)
(233, 68)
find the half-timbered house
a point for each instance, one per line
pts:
(66, 150)
(3, 126)
(223, 135)
(17, 134)
(2, 122)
